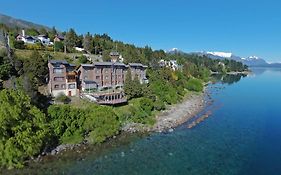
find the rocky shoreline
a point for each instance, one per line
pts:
(172, 117)
(179, 113)
(167, 120)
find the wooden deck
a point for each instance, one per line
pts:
(112, 102)
(110, 98)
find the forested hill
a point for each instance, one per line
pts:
(19, 23)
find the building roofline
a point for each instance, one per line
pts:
(86, 65)
(137, 65)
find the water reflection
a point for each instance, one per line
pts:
(262, 70)
(228, 79)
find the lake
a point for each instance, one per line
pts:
(241, 136)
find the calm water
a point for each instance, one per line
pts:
(242, 136)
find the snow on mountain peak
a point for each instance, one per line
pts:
(221, 54)
(253, 57)
(174, 50)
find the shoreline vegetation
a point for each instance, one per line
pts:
(173, 116)
(166, 120)
(33, 127)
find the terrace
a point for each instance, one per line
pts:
(107, 98)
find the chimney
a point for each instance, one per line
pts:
(23, 33)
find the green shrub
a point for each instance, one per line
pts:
(19, 44)
(140, 116)
(24, 129)
(83, 59)
(101, 122)
(36, 46)
(194, 84)
(159, 105)
(66, 122)
(76, 137)
(49, 48)
(59, 46)
(62, 98)
(73, 125)
(146, 105)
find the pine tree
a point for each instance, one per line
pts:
(128, 85)
(132, 87)
(70, 39)
(88, 42)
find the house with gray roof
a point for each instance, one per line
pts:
(112, 74)
(62, 78)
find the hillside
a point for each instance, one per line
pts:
(13, 22)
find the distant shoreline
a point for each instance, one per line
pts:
(232, 73)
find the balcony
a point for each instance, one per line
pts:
(70, 80)
(70, 77)
(71, 74)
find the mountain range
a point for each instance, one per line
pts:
(251, 61)
(22, 24)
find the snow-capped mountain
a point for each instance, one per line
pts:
(249, 61)
(174, 51)
(254, 61)
(220, 54)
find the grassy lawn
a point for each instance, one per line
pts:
(70, 57)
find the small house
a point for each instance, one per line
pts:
(58, 38)
(44, 39)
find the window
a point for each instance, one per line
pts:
(71, 77)
(58, 78)
(63, 86)
(97, 77)
(71, 86)
(56, 86)
(69, 69)
(58, 70)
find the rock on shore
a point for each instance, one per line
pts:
(179, 113)
(172, 117)
(64, 147)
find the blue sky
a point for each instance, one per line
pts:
(244, 27)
